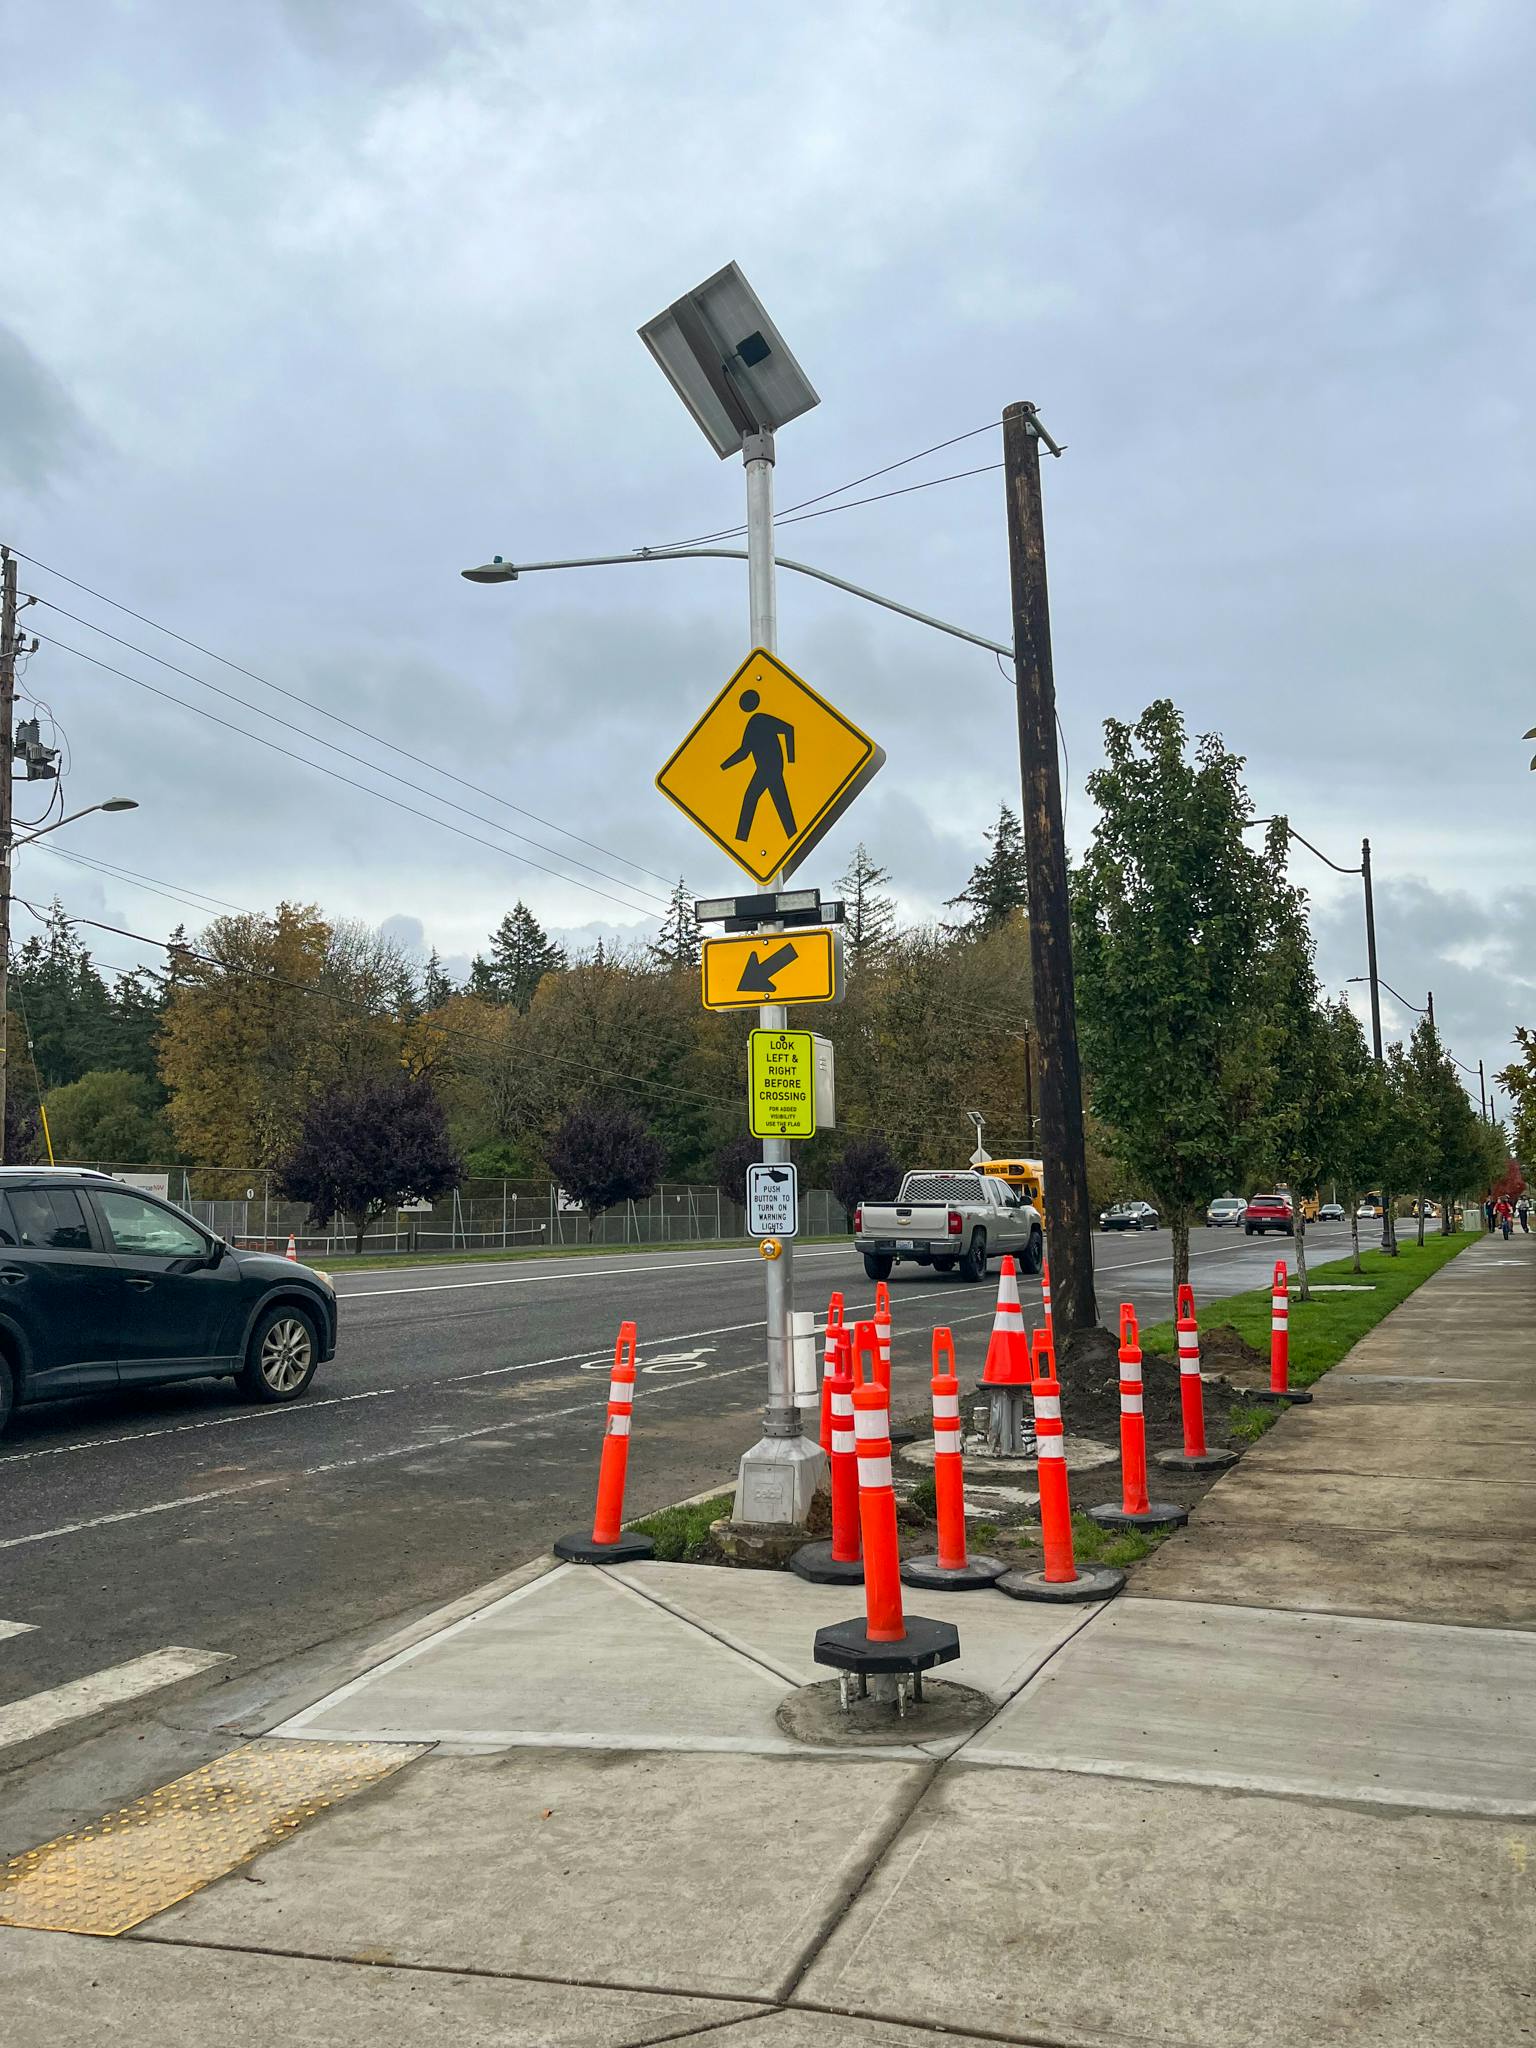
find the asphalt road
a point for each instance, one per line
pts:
(455, 1433)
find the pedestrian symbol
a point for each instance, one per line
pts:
(769, 768)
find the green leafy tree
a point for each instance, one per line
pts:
(110, 1115)
(869, 916)
(677, 944)
(1357, 1155)
(999, 885)
(1172, 917)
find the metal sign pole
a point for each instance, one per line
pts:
(779, 1475)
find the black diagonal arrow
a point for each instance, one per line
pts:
(757, 977)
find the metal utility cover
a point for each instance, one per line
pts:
(781, 1069)
(773, 1201)
(769, 768)
(772, 967)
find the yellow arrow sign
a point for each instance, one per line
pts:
(773, 967)
(781, 1066)
(769, 768)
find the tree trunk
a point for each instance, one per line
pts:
(1303, 1290)
(1388, 1226)
(359, 1231)
(1178, 1225)
(1421, 1219)
(1447, 1215)
(1354, 1238)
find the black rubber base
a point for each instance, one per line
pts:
(846, 1647)
(1208, 1461)
(1093, 1582)
(1160, 1514)
(814, 1561)
(975, 1573)
(1269, 1394)
(579, 1549)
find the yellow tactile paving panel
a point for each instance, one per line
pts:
(163, 1847)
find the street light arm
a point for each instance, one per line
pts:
(111, 804)
(1292, 833)
(508, 572)
(1416, 1008)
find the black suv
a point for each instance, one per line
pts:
(103, 1286)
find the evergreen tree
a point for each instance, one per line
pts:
(521, 956)
(482, 982)
(436, 988)
(999, 885)
(64, 1000)
(677, 944)
(869, 918)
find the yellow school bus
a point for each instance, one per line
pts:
(1026, 1176)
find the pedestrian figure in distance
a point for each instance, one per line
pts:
(1523, 1211)
(1488, 1211)
(1505, 1214)
(769, 744)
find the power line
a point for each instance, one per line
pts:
(335, 716)
(373, 767)
(507, 852)
(154, 884)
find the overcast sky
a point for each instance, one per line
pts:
(313, 302)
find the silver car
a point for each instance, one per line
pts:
(1224, 1210)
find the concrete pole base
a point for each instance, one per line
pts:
(814, 1561)
(1093, 1582)
(1208, 1461)
(580, 1549)
(1268, 1394)
(778, 1479)
(1158, 1514)
(975, 1573)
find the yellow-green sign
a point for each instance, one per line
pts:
(768, 768)
(797, 966)
(781, 1068)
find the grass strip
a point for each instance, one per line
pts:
(1324, 1329)
(1119, 1547)
(681, 1535)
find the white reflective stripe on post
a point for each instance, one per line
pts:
(946, 1435)
(842, 1404)
(874, 1472)
(1190, 1366)
(1048, 1407)
(871, 1423)
(1130, 1404)
(621, 1392)
(1050, 1447)
(843, 1441)
(618, 1425)
(946, 1404)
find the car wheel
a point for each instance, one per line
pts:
(1247, 1230)
(7, 1393)
(282, 1355)
(1034, 1252)
(878, 1265)
(974, 1265)
(943, 1265)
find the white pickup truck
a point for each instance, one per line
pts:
(945, 1220)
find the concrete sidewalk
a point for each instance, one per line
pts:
(1284, 1792)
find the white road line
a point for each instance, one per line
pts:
(421, 1448)
(42, 1711)
(583, 1271)
(16, 1628)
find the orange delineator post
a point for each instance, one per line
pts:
(609, 1519)
(1280, 1331)
(884, 1620)
(845, 1469)
(1191, 1389)
(948, 1465)
(1055, 1500)
(829, 1353)
(1133, 1423)
(883, 1330)
(1045, 1303)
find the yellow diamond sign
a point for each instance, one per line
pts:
(769, 768)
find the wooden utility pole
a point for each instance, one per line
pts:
(7, 743)
(1073, 1305)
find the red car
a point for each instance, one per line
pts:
(1269, 1212)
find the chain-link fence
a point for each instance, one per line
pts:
(480, 1215)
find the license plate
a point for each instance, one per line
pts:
(906, 1244)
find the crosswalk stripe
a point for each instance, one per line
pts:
(16, 1628)
(40, 1712)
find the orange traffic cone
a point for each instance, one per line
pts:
(839, 1563)
(1194, 1457)
(293, 1250)
(1279, 1388)
(609, 1543)
(949, 1567)
(1008, 1350)
(1063, 1577)
(1135, 1511)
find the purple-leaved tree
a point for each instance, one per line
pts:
(368, 1148)
(603, 1154)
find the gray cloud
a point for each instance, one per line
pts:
(42, 430)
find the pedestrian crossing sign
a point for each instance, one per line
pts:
(769, 768)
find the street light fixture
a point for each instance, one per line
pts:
(111, 803)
